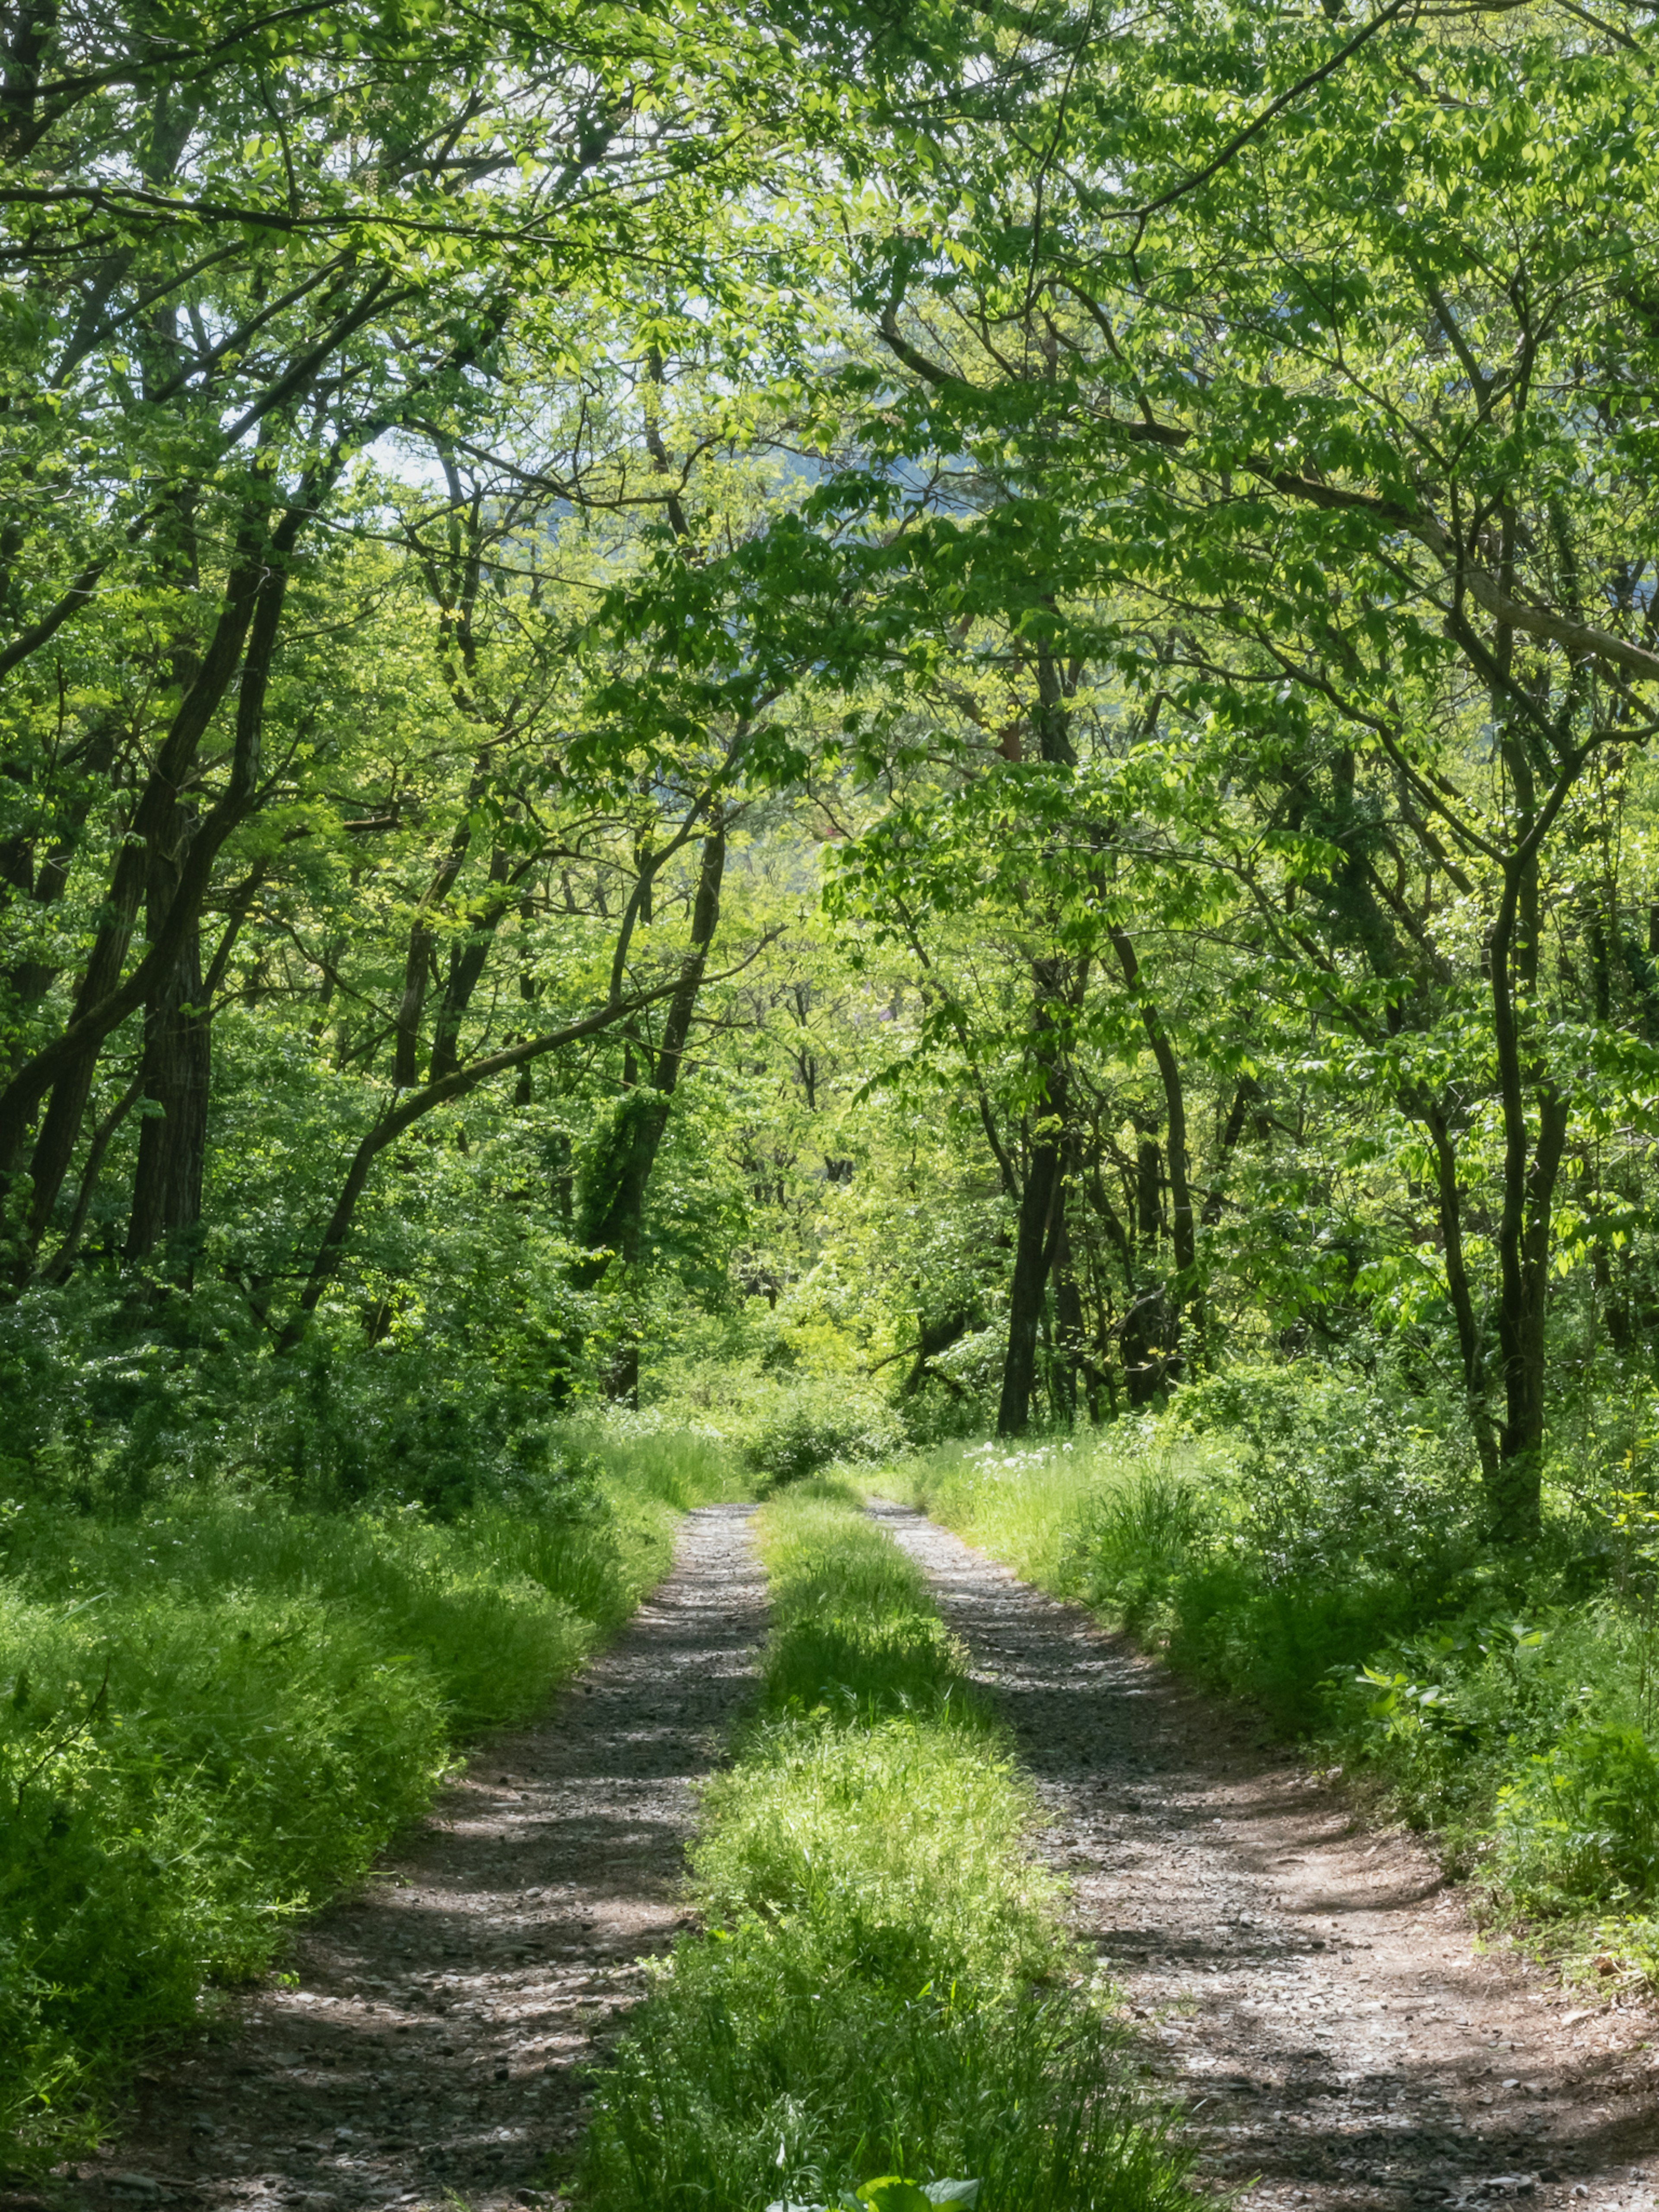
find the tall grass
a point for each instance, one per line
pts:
(1026, 1502)
(215, 1712)
(885, 1989)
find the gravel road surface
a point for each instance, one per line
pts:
(1313, 1991)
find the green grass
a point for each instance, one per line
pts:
(214, 1714)
(1273, 1558)
(1026, 1504)
(885, 1989)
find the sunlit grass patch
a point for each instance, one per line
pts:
(902, 1841)
(853, 1619)
(886, 1987)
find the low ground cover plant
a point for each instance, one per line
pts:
(214, 1710)
(884, 2000)
(1304, 1537)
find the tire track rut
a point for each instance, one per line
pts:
(433, 2043)
(1312, 1991)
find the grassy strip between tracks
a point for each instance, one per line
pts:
(215, 1712)
(885, 2008)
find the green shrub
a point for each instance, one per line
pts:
(1273, 1526)
(1580, 1824)
(814, 1426)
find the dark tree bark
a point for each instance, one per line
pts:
(167, 1194)
(62, 1071)
(1471, 1337)
(1040, 1194)
(1184, 1239)
(615, 1226)
(1070, 1344)
(1026, 1289)
(417, 957)
(1150, 1330)
(1530, 1172)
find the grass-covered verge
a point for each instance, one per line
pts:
(883, 2001)
(1310, 1540)
(214, 1710)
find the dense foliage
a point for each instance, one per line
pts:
(846, 724)
(219, 1711)
(587, 594)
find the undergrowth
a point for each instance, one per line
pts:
(883, 2001)
(214, 1710)
(1308, 1539)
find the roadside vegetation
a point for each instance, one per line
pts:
(1306, 1538)
(216, 1709)
(883, 2007)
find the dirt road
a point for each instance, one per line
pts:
(1312, 1991)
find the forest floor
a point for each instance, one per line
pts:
(431, 2047)
(1311, 1991)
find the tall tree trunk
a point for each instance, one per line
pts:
(1025, 1291)
(1150, 1329)
(166, 1195)
(1070, 1350)
(1530, 1172)
(1040, 1194)
(615, 1227)
(62, 1072)
(1471, 1337)
(1185, 1295)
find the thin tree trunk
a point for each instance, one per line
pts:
(1025, 1292)
(1471, 1340)
(167, 1194)
(1039, 1194)
(57, 1269)
(467, 962)
(618, 1230)
(1069, 1342)
(1523, 1230)
(403, 1116)
(1185, 1295)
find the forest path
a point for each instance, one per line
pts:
(1311, 1991)
(432, 2044)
